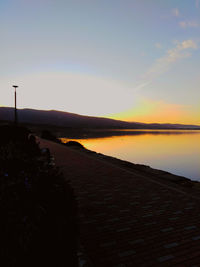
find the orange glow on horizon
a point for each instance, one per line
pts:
(148, 111)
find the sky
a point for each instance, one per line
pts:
(133, 60)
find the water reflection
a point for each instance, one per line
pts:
(174, 151)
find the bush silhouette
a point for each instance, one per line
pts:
(74, 144)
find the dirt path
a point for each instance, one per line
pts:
(127, 219)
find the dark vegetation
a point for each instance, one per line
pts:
(37, 206)
(74, 144)
(46, 134)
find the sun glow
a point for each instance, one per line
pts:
(149, 111)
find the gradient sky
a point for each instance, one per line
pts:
(135, 60)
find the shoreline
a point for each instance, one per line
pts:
(143, 170)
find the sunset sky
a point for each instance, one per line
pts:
(135, 60)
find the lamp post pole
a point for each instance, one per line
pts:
(16, 120)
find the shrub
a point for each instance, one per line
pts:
(74, 144)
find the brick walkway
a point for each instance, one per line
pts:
(128, 219)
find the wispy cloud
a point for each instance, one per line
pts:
(186, 44)
(158, 45)
(188, 24)
(197, 3)
(175, 12)
(163, 64)
(141, 85)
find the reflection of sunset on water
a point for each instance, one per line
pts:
(176, 153)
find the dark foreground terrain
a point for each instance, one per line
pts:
(38, 211)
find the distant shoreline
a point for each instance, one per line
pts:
(101, 133)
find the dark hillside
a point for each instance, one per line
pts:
(66, 119)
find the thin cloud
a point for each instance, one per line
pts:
(175, 12)
(197, 3)
(188, 24)
(187, 44)
(139, 86)
(163, 64)
(158, 45)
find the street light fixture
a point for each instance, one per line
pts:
(16, 119)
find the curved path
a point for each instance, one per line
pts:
(127, 219)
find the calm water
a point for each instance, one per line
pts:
(175, 151)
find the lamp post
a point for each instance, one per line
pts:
(16, 120)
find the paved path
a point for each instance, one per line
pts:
(127, 219)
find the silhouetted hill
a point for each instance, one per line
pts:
(66, 119)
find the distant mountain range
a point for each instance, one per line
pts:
(66, 119)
